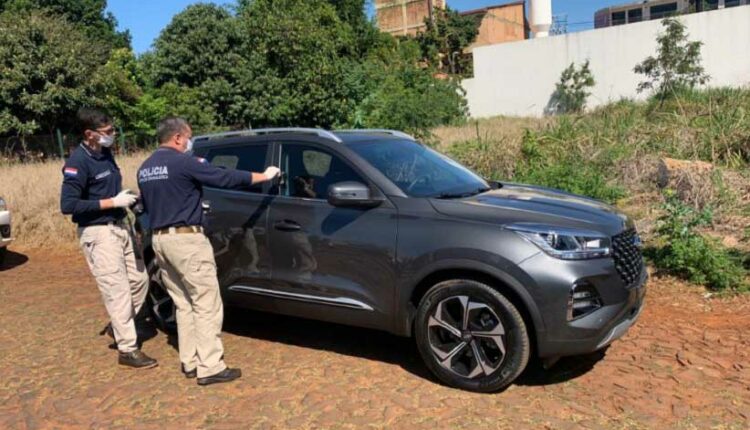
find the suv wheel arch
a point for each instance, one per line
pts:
(478, 272)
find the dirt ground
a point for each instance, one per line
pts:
(685, 365)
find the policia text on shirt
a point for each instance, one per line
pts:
(171, 184)
(92, 193)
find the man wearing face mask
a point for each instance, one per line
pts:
(171, 184)
(92, 193)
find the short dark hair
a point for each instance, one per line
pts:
(170, 126)
(91, 119)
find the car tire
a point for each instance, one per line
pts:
(450, 341)
(3, 252)
(160, 304)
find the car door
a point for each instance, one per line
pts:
(236, 220)
(329, 263)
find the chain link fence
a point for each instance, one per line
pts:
(36, 148)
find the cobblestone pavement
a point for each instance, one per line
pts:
(686, 364)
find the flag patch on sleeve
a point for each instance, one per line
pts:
(70, 171)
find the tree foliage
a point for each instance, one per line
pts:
(315, 63)
(89, 15)
(445, 38)
(677, 64)
(46, 74)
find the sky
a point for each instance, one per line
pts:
(146, 18)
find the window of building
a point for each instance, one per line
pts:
(635, 15)
(731, 3)
(663, 10)
(250, 158)
(709, 4)
(618, 18)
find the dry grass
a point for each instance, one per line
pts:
(33, 195)
(499, 129)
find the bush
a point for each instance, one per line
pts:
(692, 256)
(572, 90)
(549, 159)
(677, 65)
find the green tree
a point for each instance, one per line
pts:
(295, 55)
(47, 66)
(445, 38)
(89, 15)
(572, 90)
(394, 91)
(196, 46)
(677, 64)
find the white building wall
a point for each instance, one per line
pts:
(518, 78)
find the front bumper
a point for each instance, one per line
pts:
(621, 307)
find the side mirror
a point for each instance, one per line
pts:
(352, 194)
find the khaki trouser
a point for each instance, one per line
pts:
(188, 269)
(121, 278)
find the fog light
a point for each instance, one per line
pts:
(583, 300)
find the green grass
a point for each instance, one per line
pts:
(605, 154)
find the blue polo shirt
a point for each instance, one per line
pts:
(90, 176)
(171, 185)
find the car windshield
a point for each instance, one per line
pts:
(420, 171)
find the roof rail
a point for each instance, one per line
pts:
(377, 130)
(260, 131)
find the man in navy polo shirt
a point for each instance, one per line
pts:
(171, 184)
(92, 193)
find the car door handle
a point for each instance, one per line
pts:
(287, 225)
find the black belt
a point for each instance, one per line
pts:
(179, 230)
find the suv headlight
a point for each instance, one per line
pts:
(3, 206)
(565, 244)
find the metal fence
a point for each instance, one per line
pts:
(58, 145)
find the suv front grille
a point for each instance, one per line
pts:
(627, 255)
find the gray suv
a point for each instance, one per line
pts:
(371, 228)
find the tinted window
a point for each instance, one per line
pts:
(731, 3)
(663, 10)
(710, 4)
(417, 170)
(635, 15)
(251, 158)
(618, 18)
(309, 171)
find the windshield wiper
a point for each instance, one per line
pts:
(462, 195)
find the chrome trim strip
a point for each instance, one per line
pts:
(343, 302)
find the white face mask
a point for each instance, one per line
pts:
(106, 141)
(189, 145)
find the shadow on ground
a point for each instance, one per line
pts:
(13, 260)
(378, 345)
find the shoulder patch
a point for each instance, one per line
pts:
(70, 171)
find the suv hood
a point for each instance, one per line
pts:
(516, 203)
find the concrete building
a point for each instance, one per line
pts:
(499, 24)
(657, 9)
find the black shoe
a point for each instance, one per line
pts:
(225, 375)
(136, 359)
(191, 374)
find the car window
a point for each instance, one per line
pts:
(251, 158)
(309, 171)
(418, 170)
